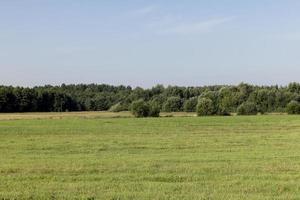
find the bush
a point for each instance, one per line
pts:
(118, 108)
(140, 108)
(173, 104)
(293, 108)
(154, 109)
(205, 107)
(223, 112)
(247, 108)
(98, 103)
(190, 105)
(214, 97)
(159, 101)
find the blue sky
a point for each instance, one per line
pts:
(143, 43)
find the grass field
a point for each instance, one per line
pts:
(98, 156)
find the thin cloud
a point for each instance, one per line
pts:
(196, 27)
(143, 11)
(287, 36)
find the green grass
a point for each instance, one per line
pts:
(255, 157)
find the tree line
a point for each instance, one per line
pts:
(206, 100)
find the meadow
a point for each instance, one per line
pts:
(114, 156)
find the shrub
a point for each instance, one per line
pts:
(214, 97)
(159, 101)
(118, 108)
(98, 103)
(154, 109)
(293, 108)
(205, 107)
(190, 104)
(173, 104)
(247, 108)
(140, 108)
(223, 111)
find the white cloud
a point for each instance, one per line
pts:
(195, 27)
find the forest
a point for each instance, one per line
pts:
(206, 100)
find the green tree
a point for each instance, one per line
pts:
(205, 107)
(190, 105)
(118, 107)
(293, 108)
(173, 104)
(227, 100)
(214, 97)
(159, 100)
(294, 87)
(261, 98)
(100, 102)
(247, 108)
(140, 108)
(154, 109)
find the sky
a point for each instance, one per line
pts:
(144, 43)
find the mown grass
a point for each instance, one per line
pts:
(253, 157)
